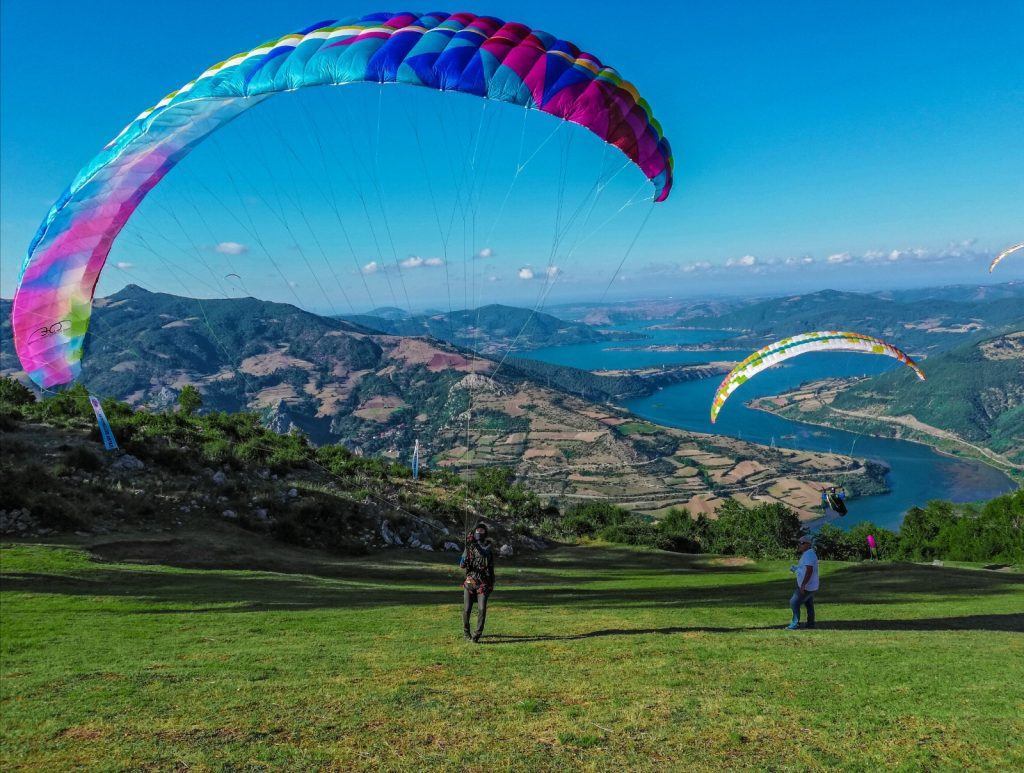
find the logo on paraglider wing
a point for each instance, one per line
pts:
(49, 330)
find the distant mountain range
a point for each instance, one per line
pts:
(919, 321)
(488, 330)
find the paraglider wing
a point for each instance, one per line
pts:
(477, 55)
(820, 341)
(1003, 254)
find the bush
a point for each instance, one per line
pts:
(767, 531)
(886, 540)
(320, 522)
(82, 458)
(189, 400)
(586, 519)
(217, 451)
(15, 393)
(832, 543)
(498, 482)
(683, 534)
(634, 531)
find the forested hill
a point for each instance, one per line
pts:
(975, 391)
(921, 321)
(488, 330)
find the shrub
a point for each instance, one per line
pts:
(683, 534)
(769, 530)
(82, 458)
(886, 540)
(189, 400)
(15, 393)
(634, 531)
(586, 519)
(217, 451)
(834, 544)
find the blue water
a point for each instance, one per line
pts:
(917, 473)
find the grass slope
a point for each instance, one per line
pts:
(595, 657)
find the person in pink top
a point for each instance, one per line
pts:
(872, 547)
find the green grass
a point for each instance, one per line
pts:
(596, 657)
(637, 428)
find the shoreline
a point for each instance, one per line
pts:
(1012, 473)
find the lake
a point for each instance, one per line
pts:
(917, 472)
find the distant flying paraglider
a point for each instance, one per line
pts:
(1003, 254)
(820, 341)
(835, 501)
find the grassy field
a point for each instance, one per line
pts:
(599, 658)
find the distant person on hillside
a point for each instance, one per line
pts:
(478, 561)
(806, 583)
(834, 500)
(872, 547)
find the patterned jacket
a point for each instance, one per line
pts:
(478, 561)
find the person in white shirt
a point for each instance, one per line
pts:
(806, 583)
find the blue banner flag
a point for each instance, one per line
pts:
(109, 441)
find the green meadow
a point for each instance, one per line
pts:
(140, 655)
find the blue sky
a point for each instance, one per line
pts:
(856, 145)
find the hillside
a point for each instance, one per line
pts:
(973, 404)
(490, 330)
(920, 322)
(378, 393)
(227, 477)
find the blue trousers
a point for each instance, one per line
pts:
(805, 599)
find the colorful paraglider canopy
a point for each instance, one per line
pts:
(1003, 254)
(477, 55)
(820, 341)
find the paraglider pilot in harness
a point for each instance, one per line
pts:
(834, 500)
(478, 561)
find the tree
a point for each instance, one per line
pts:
(189, 400)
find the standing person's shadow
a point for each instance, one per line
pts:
(1012, 623)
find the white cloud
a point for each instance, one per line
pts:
(700, 265)
(231, 248)
(745, 262)
(802, 260)
(839, 257)
(552, 271)
(415, 261)
(486, 252)
(371, 268)
(124, 265)
(525, 273)
(292, 284)
(493, 278)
